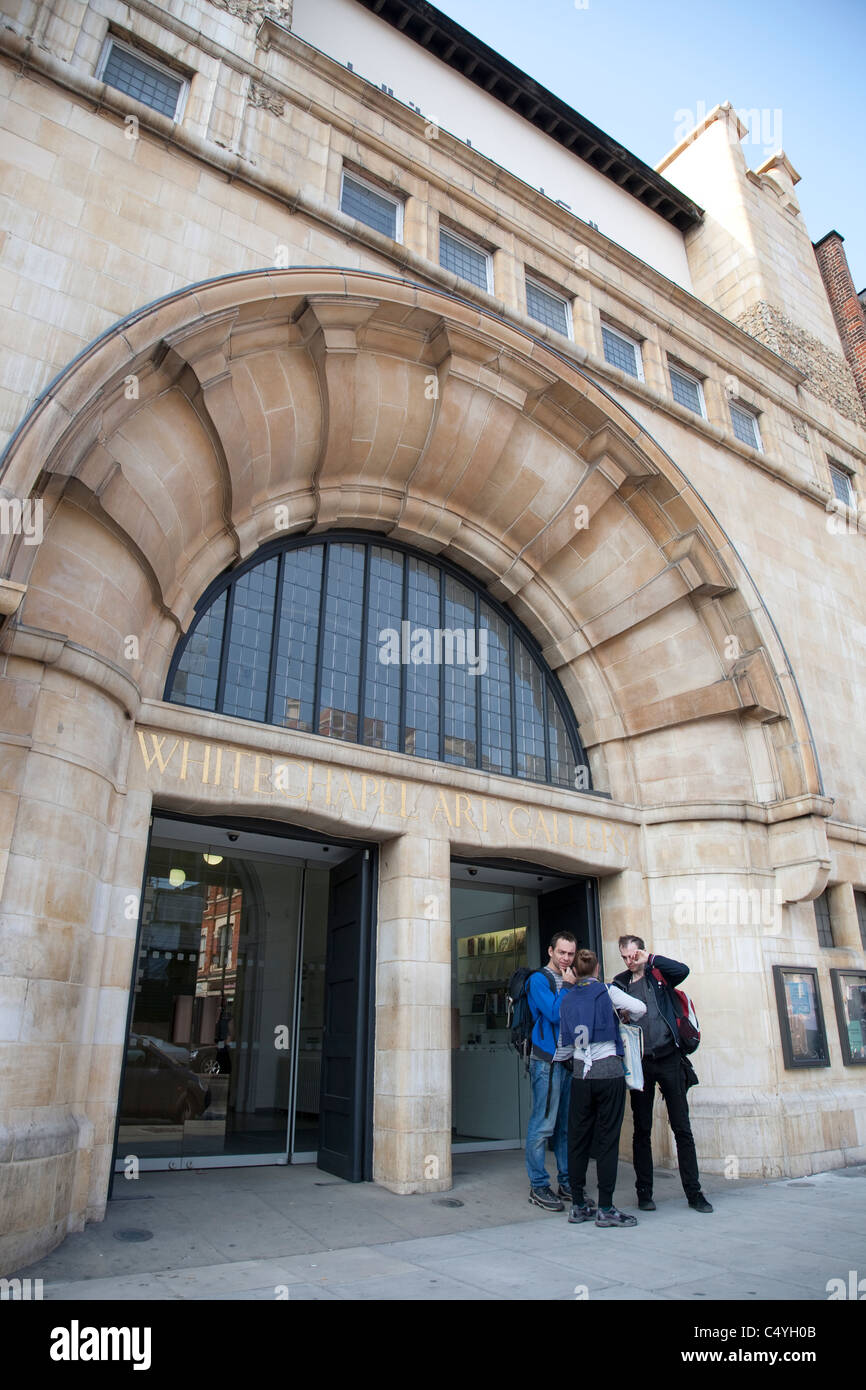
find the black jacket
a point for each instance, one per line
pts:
(674, 972)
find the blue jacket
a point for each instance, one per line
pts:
(588, 1006)
(545, 1003)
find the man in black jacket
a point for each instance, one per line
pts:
(662, 1063)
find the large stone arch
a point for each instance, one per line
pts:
(304, 400)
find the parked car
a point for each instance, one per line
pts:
(156, 1085)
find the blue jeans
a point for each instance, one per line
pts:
(555, 1123)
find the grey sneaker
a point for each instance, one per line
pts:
(582, 1212)
(543, 1197)
(609, 1216)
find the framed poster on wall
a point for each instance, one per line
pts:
(801, 1017)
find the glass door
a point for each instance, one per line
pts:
(207, 1075)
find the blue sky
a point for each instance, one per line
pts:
(631, 65)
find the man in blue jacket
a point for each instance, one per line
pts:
(662, 1064)
(550, 1074)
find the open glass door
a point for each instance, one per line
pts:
(207, 1075)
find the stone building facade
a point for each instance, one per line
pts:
(636, 447)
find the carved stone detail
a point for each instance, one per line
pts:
(259, 95)
(254, 11)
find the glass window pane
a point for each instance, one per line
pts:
(745, 426)
(249, 655)
(141, 80)
(422, 678)
(823, 921)
(619, 352)
(341, 643)
(563, 768)
(458, 652)
(295, 677)
(466, 261)
(495, 694)
(860, 901)
(807, 1036)
(197, 674)
(371, 208)
(686, 391)
(852, 989)
(841, 486)
(529, 708)
(383, 673)
(546, 308)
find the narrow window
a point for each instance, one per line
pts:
(462, 258)
(141, 78)
(687, 390)
(371, 206)
(548, 308)
(745, 424)
(622, 351)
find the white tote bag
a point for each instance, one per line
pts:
(632, 1043)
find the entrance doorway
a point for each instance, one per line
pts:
(501, 919)
(241, 1048)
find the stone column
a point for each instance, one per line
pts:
(66, 947)
(412, 1105)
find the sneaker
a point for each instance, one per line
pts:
(609, 1216)
(583, 1211)
(699, 1203)
(646, 1204)
(544, 1198)
(564, 1191)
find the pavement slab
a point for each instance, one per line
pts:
(295, 1233)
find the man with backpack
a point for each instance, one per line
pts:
(651, 979)
(549, 1073)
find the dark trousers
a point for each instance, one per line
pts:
(668, 1073)
(595, 1117)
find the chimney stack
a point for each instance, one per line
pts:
(847, 307)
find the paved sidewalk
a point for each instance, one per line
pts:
(298, 1233)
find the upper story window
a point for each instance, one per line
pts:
(142, 78)
(373, 644)
(622, 351)
(372, 206)
(842, 488)
(687, 389)
(460, 256)
(745, 424)
(548, 308)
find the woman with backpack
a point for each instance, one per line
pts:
(597, 1103)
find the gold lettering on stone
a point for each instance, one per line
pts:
(374, 782)
(541, 824)
(462, 796)
(348, 786)
(440, 808)
(513, 827)
(257, 787)
(404, 814)
(157, 755)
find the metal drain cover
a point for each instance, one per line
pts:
(447, 1202)
(133, 1235)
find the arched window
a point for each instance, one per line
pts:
(369, 642)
